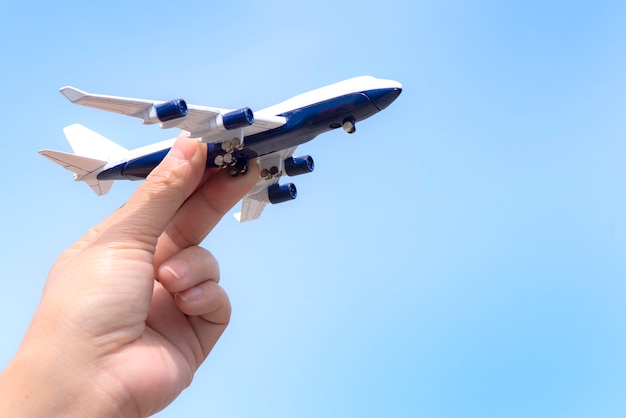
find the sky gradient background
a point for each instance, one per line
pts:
(463, 254)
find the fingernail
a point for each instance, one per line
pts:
(177, 268)
(190, 294)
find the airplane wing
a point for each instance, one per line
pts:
(251, 209)
(207, 123)
(254, 202)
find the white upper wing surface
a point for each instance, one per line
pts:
(200, 122)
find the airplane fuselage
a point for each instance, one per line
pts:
(307, 116)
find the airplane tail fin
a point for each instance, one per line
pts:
(91, 152)
(88, 143)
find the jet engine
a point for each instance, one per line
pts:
(174, 109)
(165, 112)
(239, 118)
(281, 193)
(295, 166)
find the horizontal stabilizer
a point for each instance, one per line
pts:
(100, 186)
(81, 166)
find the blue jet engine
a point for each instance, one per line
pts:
(239, 118)
(174, 109)
(295, 166)
(281, 193)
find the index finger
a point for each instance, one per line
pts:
(144, 217)
(203, 210)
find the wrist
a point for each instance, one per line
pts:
(42, 382)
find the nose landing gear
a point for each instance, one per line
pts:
(349, 125)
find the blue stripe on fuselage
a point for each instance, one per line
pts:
(303, 124)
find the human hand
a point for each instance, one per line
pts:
(131, 310)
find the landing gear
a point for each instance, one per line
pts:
(240, 166)
(230, 145)
(236, 163)
(349, 125)
(268, 174)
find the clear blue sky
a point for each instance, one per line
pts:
(462, 255)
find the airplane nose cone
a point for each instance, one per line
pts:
(384, 97)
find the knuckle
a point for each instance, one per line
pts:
(167, 177)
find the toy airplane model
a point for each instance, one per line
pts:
(233, 137)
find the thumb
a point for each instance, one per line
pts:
(144, 217)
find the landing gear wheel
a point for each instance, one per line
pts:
(349, 126)
(227, 146)
(240, 166)
(229, 159)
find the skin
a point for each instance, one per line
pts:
(130, 311)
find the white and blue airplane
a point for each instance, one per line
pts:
(233, 137)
